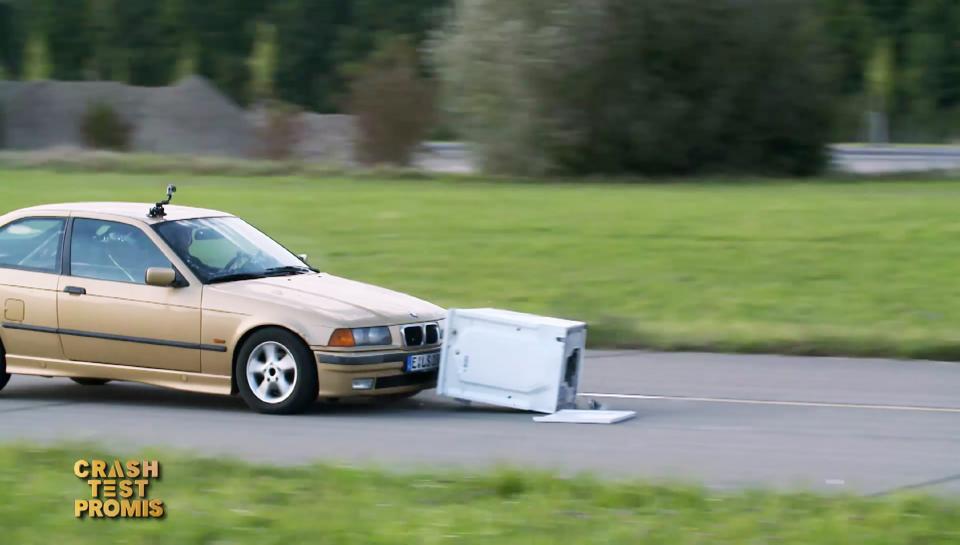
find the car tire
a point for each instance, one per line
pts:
(90, 381)
(4, 376)
(276, 373)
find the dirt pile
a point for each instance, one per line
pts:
(191, 117)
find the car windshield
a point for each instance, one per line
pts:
(228, 249)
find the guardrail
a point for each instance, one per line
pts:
(852, 158)
(878, 159)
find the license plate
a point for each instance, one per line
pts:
(422, 362)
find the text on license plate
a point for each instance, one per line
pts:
(422, 362)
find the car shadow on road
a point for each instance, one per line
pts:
(127, 394)
(426, 404)
(117, 393)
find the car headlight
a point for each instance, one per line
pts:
(361, 336)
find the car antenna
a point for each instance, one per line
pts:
(158, 211)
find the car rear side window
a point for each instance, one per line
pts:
(32, 244)
(108, 250)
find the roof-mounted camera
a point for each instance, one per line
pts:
(158, 211)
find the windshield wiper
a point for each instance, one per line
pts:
(233, 277)
(272, 271)
(289, 269)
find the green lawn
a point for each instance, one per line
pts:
(862, 268)
(224, 502)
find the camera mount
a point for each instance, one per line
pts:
(157, 211)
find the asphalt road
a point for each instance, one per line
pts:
(867, 426)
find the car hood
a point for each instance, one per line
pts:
(334, 300)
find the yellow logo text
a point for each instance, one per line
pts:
(118, 489)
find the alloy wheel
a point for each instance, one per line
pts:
(271, 372)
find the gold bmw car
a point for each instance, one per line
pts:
(199, 300)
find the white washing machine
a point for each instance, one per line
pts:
(511, 359)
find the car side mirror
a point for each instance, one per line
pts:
(303, 257)
(161, 277)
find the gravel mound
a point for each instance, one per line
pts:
(45, 114)
(191, 117)
(7, 88)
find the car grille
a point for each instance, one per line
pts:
(421, 334)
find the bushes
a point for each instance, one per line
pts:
(103, 128)
(280, 130)
(619, 86)
(393, 106)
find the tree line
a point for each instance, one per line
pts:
(545, 85)
(301, 51)
(901, 57)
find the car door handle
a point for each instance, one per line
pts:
(74, 290)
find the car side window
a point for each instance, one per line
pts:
(32, 244)
(108, 250)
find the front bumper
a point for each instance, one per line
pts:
(338, 371)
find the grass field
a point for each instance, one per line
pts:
(223, 502)
(852, 267)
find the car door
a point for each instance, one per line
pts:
(107, 312)
(30, 258)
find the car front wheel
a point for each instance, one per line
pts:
(276, 373)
